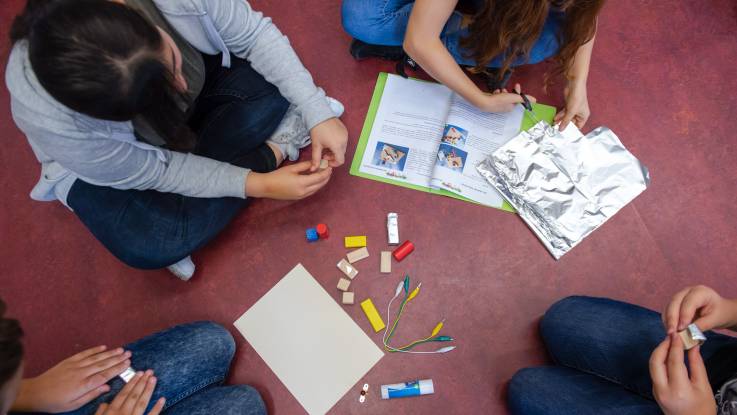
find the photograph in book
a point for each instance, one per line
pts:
(421, 135)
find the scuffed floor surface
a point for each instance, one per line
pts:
(662, 78)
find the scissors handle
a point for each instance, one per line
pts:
(527, 104)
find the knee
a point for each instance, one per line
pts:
(356, 17)
(563, 313)
(523, 388)
(244, 399)
(216, 341)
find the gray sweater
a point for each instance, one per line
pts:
(72, 146)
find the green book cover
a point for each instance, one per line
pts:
(542, 112)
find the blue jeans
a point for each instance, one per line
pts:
(384, 22)
(235, 113)
(601, 350)
(190, 362)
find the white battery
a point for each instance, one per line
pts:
(392, 228)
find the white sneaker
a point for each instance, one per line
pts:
(292, 134)
(184, 269)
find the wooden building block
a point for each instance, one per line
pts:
(348, 297)
(349, 270)
(372, 314)
(355, 241)
(386, 262)
(343, 284)
(357, 255)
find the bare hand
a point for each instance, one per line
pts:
(331, 136)
(577, 108)
(502, 101)
(700, 305)
(134, 397)
(291, 182)
(73, 382)
(676, 393)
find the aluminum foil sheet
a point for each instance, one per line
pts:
(564, 185)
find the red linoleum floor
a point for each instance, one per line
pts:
(662, 78)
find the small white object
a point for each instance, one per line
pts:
(184, 269)
(348, 297)
(364, 392)
(392, 228)
(127, 374)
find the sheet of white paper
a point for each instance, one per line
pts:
(406, 132)
(308, 340)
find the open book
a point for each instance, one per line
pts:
(422, 135)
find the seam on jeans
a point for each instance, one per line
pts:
(599, 375)
(191, 391)
(389, 16)
(226, 92)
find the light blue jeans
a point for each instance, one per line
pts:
(384, 22)
(190, 362)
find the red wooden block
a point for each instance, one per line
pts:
(403, 250)
(322, 231)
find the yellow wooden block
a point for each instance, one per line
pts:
(373, 315)
(355, 241)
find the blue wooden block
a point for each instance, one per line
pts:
(312, 235)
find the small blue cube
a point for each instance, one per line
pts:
(312, 235)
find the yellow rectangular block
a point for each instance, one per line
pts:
(355, 241)
(373, 315)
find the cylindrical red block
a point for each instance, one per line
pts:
(403, 250)
(322, 231)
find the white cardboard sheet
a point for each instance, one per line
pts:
(308, 340)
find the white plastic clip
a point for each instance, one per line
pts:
(364, 392)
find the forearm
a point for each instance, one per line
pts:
(579, 72)
(435, 59)
(732, 306)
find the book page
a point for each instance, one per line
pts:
(468, 136)
(405, 134)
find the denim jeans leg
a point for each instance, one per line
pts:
(185, 359)
(557, 390)
(611, 339)
(379, 22)
(221, 400)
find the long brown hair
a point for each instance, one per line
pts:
(511, 27)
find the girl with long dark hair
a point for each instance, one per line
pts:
(493, 38)
(154, 120)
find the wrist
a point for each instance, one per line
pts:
(478, 97)
(255, 184)
(27, 400)
(732, 313)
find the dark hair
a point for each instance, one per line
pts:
(103, 59)
(511, 27)
(11, 348)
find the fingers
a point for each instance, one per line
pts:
(87, 353)
(658, 372)
(696, 367)
(532, 99)
(565, 120)
(316, 156)
(156, 410)
(317, 177)
(103, 377)
(137, 393)
(339, 155)
(693, 300)
(673, 310)
(90, 396)
(106, 364)
(122, 396)
(677, 372)
(140, 406)
(300, 167)
(101, 409)
(101, 357)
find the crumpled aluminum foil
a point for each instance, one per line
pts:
(564, 185)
